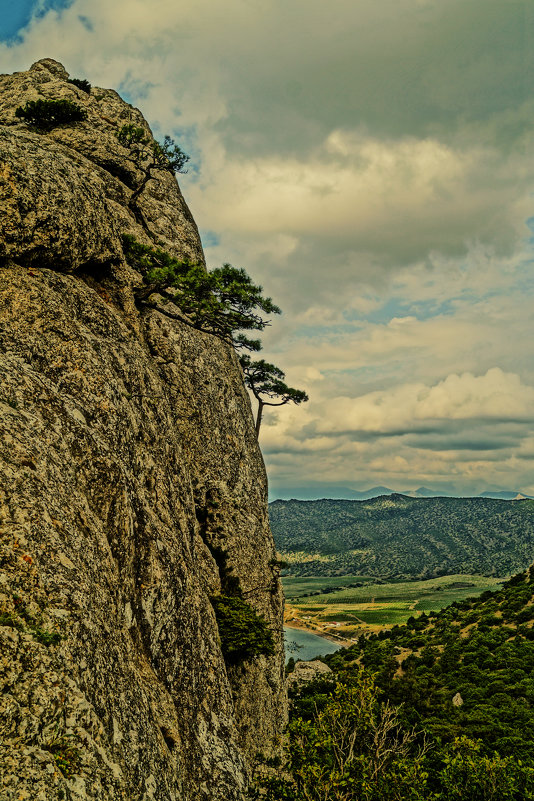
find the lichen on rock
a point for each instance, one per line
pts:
(128, 462)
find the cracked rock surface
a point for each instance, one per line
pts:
(127, 460)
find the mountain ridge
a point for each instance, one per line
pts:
(340, 492)
(397, 536)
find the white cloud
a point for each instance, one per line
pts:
(378, 192)
(469, 429)
(495, 396)
(399, 201)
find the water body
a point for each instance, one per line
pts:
(304, 645)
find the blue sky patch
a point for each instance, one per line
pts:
(134, 89)
(52, 5)
(209, 239)
(15, 15)
(86, 22)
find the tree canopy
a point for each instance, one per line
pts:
(224, 301)
(265, 380)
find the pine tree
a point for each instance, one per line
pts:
(267, 381)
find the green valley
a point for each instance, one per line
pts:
(439, 709)
(345, 607)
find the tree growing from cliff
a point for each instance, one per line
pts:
(223, 301)
(148, 155)
(267, 381)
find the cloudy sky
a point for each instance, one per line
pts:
(371, 164)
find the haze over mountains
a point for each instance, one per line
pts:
(317, 491)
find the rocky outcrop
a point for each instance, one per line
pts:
(64, 198)
(303, 672)
(131, 484)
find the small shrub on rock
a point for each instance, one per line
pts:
(244, 634)
(47, 114)
(66, 755)
(82, 84)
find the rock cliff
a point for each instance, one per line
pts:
(131, 483)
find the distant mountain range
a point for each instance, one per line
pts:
(316, 492)
(397, 536)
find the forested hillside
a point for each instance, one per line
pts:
(401, 537)
(441, 708)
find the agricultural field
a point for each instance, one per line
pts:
(333, 608)
(296, 586)
(461, 677)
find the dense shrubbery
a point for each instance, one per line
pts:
(468, 773)
(479, 750)
(244, 634)
(47, 114)
(352, 748)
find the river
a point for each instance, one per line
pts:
(303, 645)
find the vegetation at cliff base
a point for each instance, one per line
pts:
(353, 747)
(48, 114)
(458, 688)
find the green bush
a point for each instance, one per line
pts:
(82, 84)
(166, 155)
(153, 263)
(30, 625)
(66, 755)
(46, 637)
(353, 748)
(244, 634)
(47, 114)
(468, 773)
(11, 620)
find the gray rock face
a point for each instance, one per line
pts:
(308, 671)
(128, 465)
(63, 199)
(457, 700)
